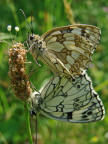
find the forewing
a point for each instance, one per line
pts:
(73, 45)
(72, 100)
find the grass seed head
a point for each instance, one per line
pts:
(17, 71)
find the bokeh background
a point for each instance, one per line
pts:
(47, 14)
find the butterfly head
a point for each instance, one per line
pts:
(35, 102)
(36, 45)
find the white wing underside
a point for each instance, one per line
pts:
(72, 100)
(69, 48)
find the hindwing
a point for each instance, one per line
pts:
(72, 100)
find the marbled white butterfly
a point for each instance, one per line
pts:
(67, 49)
(73, 100)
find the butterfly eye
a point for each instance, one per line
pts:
(73, 79)
(78, 86)
(32, 113)
(40, 42)
(31, 37)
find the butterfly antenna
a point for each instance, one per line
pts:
(32, 22)
(28, 25)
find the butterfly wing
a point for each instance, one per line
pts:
(72, 100)
(72, 46)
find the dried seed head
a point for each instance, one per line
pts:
(19, 79)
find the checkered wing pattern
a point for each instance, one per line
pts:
(69, 48)
(72, 100)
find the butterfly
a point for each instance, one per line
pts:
(72, 100)
(66, 50)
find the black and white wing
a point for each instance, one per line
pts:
(66, 50)
(70, 47)
(72, 100)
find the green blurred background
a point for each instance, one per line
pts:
(46, 15)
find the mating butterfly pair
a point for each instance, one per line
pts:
(68, 95)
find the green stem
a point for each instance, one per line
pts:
(2, 139)
(3, 101)
(28, 124)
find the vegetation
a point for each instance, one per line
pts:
(47, 14)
